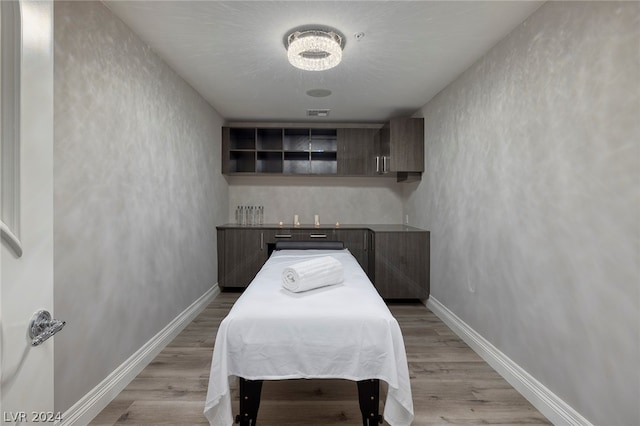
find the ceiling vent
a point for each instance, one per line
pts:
(318, 113)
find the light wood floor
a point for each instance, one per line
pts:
(450, 383)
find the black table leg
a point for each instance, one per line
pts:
(249, 401)
(369, 397)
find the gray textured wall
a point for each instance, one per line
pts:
(138, 192)
(531, 197)
(344, 200)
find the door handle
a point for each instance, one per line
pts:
(283, 235)
(317, 235)
(42, 326)
(377, 164)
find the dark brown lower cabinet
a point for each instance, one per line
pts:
(241, 254)
(371, 261)
(401, 264)
(396, 262)
(356, 241)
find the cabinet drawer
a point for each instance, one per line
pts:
(271, 236)
(322, 235)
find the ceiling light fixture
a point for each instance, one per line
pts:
(314, 50)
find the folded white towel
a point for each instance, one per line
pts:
(313, 273)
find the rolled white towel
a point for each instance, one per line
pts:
(314, 273)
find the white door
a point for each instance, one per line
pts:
(26, 281)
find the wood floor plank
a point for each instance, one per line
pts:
(451, 384)
(163, 413)
(159, 389)
(309, 390)
(112, 412)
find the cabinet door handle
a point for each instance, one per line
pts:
(283, 235)
(365, 242)
(261, 240)
(385, 168)
(377, 164)
(318, 235)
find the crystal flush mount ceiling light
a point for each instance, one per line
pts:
(314, 50)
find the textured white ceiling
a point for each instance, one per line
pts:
(233, 53)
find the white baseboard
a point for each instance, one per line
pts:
(548, 403)
(88, 407)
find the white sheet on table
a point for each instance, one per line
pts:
(344, 331)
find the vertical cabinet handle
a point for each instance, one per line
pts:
(382, 164)
(261, 240)
(365, 241)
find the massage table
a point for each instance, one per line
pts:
(343, 331)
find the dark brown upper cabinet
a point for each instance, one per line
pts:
(396, 148)
(400, 146)
(356, 151)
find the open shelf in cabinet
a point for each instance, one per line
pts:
(242, 161)
(241, 138)
(286, 151)
(269, 139)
